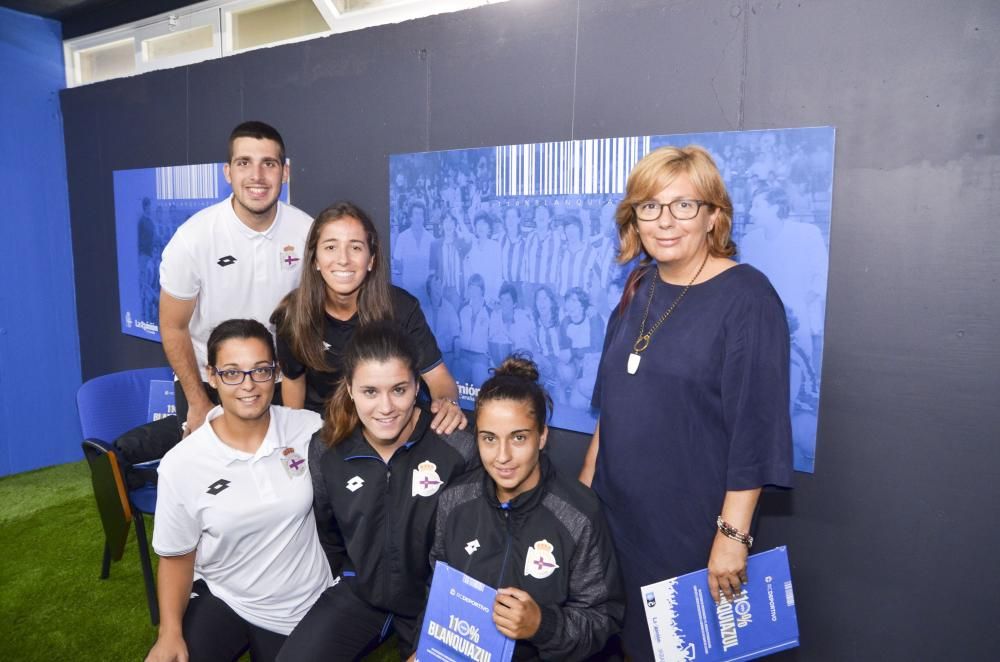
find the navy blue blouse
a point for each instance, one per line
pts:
(706, 412)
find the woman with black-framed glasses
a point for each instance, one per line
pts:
(240, 559)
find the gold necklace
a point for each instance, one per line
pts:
(642, 341)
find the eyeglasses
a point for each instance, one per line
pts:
(682, 210)
(264, 373)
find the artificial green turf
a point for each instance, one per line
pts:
(53, 606)
(27, 493)
(52, 602)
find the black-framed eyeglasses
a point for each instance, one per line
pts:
(260, 374)
(682, 210)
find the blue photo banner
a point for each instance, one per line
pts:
(511, 249)
(150, 204)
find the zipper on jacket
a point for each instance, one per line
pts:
(388, 510)
(390, 566)
(388, 531)
(505, 507)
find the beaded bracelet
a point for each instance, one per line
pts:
(733, 533)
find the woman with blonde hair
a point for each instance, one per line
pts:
(692, 389)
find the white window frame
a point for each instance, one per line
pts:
(72, 55)
(240, 6)
(173, 24)
(218, 15)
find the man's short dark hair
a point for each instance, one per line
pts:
(238, 328)
(259, 131)
(567, 220)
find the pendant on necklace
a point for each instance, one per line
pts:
(633, 363)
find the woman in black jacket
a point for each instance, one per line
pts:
(381, 470)
(517, 525)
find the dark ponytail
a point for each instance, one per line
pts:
(379, 341)
(517, 379)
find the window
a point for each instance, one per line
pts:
(271, 23)
(176, 40)
(112, 60)
(177, 43)
(216, 28)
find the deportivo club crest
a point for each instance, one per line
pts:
(426, 482)
(289, 260)
(294, 464)
(540, 562)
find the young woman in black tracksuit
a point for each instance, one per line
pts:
(381, 471)
(517, 525)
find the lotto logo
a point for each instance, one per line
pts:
(471, 547)
(226, 261)
(355, 483)
(217, 486)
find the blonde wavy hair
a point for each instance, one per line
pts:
(656, 171)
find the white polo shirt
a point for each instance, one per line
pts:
(249, 517)
(234, 272)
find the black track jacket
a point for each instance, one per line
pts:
(376, 520)
(552, 542)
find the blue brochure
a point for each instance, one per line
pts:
(685, 624)
(458, 621)
(161, 399)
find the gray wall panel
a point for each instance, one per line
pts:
(892, 538)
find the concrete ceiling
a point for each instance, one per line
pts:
(80, 17)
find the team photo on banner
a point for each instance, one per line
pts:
(512, 249)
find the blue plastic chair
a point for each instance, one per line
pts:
(109, 406)
(113, 404)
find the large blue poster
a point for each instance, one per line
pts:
(150, 204)
(511, 249)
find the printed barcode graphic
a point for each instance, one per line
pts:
(573, 167)
(789, 596)
(187, 182)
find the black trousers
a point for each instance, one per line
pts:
(342, 626)
(214, 632)
(182, 403)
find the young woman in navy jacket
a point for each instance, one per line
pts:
(517, 525)
(377, 477)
